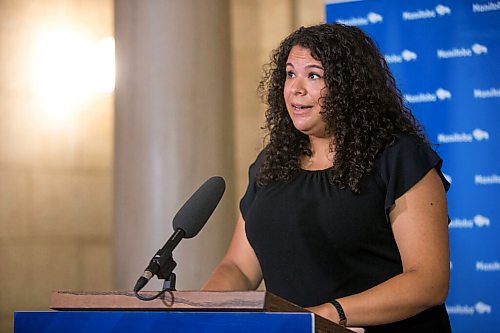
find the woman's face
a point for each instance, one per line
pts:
(304, 86)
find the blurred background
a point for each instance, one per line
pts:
(92, 171)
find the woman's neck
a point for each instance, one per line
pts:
(321, 155)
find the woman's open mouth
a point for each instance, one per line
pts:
(301, 107)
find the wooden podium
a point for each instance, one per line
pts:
(176, 311)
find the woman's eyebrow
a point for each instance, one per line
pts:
(307, 66)
(315, 66)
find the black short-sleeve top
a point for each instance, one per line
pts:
(316, 242)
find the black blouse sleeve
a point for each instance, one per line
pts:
(404, 164)
(247, 199)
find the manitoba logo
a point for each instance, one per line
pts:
(443, 10)
(440, 94)
(375, 18)
(477, 135)
(478, 221)
(482, 308)
(481, 221)
(480, 135)
(371, 18)
(421, 14)
(478, 308)
(406, 56)
(479, 49)
(443, 94)
(462, 52)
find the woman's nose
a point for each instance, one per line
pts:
(298, 87)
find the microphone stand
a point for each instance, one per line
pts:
(162, 265)
(166, 273)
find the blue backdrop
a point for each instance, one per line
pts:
(445, 56)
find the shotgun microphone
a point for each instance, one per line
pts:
(186, 223)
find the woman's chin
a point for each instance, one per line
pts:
(303, 129)
(310, 130)
(301, 125)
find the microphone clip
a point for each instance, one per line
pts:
(165, 272)
(162, 265)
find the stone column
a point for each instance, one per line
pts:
(173, 130)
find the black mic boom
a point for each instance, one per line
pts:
(187, 223)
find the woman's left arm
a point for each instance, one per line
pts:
(419, 220)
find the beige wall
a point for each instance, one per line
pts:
(55, 178)
(56, 227)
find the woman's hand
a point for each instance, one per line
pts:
(329, 312)
(326, 311)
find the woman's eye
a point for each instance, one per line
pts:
(314, 76)
(290, 74)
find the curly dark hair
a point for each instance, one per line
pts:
(363, 109)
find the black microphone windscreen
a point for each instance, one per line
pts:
(195, 212)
